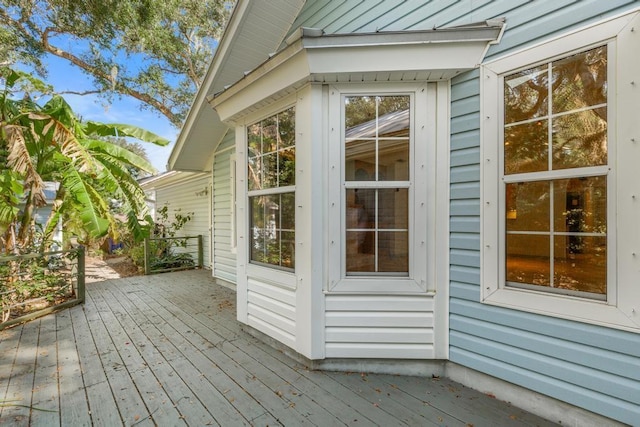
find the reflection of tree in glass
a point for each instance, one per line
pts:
(362, 109)
(578, 124)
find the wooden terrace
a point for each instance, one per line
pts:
(166, 350)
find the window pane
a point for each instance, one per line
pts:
(360, 160)
(392, 104)
(393, 251)
(287, 167)
(269, 135)
(288, 211)
(254, 173)
(526, 94)
(393, 160)
(581, 263)
(271, 164)
(357, 215)
(269, 171)
(359, 110)
(286, 128)
(288, 249)
(527, 206)
(580, 139)
(528, 259)
(360, 253)
(580, 80)
(526, 147)
(393, 208)
(580, 205)
(256, 227)
(254, 140)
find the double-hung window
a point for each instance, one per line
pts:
(383, 185)
(271, 190)
(557, 225)
(377, 169)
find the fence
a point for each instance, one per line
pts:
(167, 254)
(37, 284)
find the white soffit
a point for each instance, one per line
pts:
(310, 56)
(255, 29)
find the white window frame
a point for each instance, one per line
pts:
(422, 189)
(622, 306)
(266, 268)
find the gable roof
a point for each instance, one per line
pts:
(255, 29)
(260, 36)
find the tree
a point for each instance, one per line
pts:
(155, 51)
(49, 143)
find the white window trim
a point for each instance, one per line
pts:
(261, 272)
(425, 177)
(622, 308)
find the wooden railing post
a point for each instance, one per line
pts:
(81, 276)
(147, 266)
(200, 251)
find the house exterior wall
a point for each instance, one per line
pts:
(224, 252)
(188, 195)
(590, 366)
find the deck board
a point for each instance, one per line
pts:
(167, 350)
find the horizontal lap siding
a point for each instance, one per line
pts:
(379, 326)
(182, 195)
(224, 260)
(589, 366)
(271, 309)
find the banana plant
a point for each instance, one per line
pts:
(50, 143)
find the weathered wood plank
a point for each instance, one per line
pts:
(249, 408)
(102, 403)
(9, 340)
(45, 399)
(167, 350)
(74, 408)
(20, 385)
(129, 402)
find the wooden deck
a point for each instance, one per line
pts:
(166, 350)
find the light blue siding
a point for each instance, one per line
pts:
(589, 366)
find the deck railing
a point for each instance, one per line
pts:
(36, 284)
(162, 255)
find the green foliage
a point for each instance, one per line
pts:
(28, 283)
(155, 51)
(49, 143)
(165, 250)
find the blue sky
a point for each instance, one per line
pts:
(65, 77)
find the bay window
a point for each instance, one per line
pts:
(377, 169)
(271, 190)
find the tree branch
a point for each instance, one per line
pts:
(120, 87)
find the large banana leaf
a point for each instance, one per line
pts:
(90, 212)
(120, 154)
(122, 130)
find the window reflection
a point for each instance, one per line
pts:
(271, 166)
(377, 147)
(571, 211)
(556, 229)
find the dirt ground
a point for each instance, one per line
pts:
(123, 266)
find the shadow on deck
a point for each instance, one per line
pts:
(167, 350)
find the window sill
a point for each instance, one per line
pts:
(561, 306)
